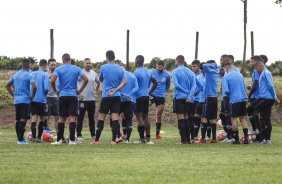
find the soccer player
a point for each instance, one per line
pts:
(144, 76)
(262, 106)
(113, 79)
(195, 121)
(87, 99)
(210, 106)
(199, 107)
(127, 104)
(52, 98)
(68, 75)
(38, 104)
(253, 95)
(158, 95)
(184, 88)
(22, 81)
(234, 86)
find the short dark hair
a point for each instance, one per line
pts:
(160, 62)
(31, 60)
(180, 58)
(87, 59)
(264, 58)
(66, 57)
(25, 63)
(196, 62)
(72, 61)
(43, 62)
(51, 60)
(231, 57)
(140, 59)
(110, 55)
(256, 58)
(211, 61)
(201, 65)
(225, 55)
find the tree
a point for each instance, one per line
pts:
(278, 2)
(245, 37)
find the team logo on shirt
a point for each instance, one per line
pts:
(81, 105)
(163, 79)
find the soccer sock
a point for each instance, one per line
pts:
(158, 128)
(148, 137)
(213, 127)
(72, 130)
(91, 128)
(111, 123)
(115, 129)
(187, 129)
(262, 134)
(253, 122)
(141, 130)
(17, 127)
(45, 123)
(227, 122)
(258, 123)
(203, 130)
(196, 126)
(21, 130)
(268, 129)
(40, 129)
(33, 129)
(99, 129)
(191, 127)
(209, 130)
(223, 121)
(229, 131)
(245, 130)
(235, 135)
(123, 124)
(128, 128)
(61, 129)
(182, 130)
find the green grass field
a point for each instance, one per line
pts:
(163, 162)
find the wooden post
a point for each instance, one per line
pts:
(252, 44)
(52, 43)
(245, 37)
(127, 50)
(197, 44)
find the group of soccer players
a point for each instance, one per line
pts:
(68, 92)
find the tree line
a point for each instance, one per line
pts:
(7, 63)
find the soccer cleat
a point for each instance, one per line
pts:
(118, 139)
(150, 142)
(159, 137)
(95, 142)
(22, 142)
(202, 140)
(232, 140)
(253, 132)
(47, 129)
(36, 140)
(113, 143)
(212, 141)
(141, 141)
(57, 142)
(79, 138)
(207, 138)
(126, 141)
(267, 142)
(236, 142)
(226, 140)
(264, 141)
(255, 142)
(72, 142)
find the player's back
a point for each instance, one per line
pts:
(211, 74)
(112, 75)
(42, 83)
(144, 77)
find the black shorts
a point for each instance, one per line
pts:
(210, 108)
(180, 106)
(68, 106)
(142, 104)
(199, 108)
(127, 109)
(157, 100)
(192, 108)
(53, 106)
(110, 104)
(22, 111)
(37, 108)
(238, 109)
(262, 105)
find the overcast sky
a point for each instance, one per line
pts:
(88, 28)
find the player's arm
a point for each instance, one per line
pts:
(167, 82)
(254, 87)
(85, 81)
(193, 88)
(34, 88)
(225, 86)
(154, 86)
(46, 85)
(270, 86)
(9, 88)
(53, 82)
(97, 86)
(199, 87)
(135, 88)
(121, 85)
